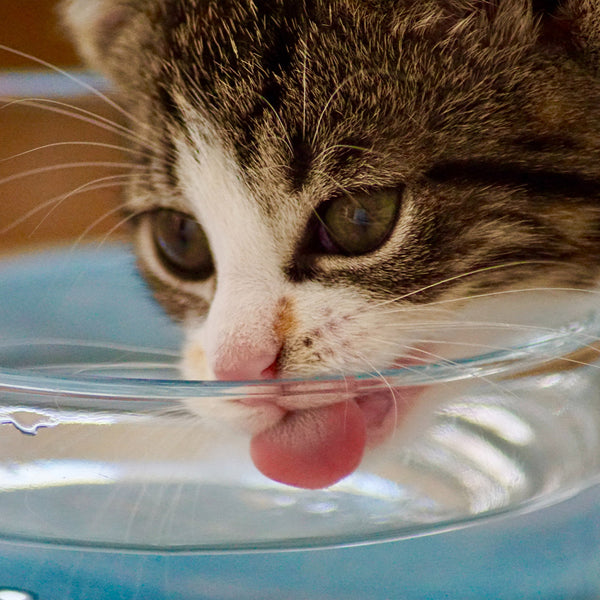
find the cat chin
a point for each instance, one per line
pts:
(384, 409)
(317, 447)
(311, 434)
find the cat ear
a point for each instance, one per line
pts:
(546, 6)
(574, 24)
(97, 28)
(586, 17)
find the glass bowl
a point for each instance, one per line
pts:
(109, 490)
(501, 473)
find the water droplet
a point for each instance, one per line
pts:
(27, 421)
(15, 595)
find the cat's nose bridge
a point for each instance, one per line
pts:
(246, 354)
(244, 342)
(246, 363)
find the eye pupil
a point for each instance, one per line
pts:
(181, 245)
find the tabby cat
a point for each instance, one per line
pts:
(321, 174)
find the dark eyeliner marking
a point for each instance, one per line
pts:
(537, 181)
(546, 143)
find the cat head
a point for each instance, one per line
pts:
(318, 175)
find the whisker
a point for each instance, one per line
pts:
(386, 382)
(101, 345)
(83, 115)
(483, 325)
(342, 374)
(462, 368)
(76, 80)
(110, 232)
(96, 184)
(505, 292)
(470, 324)
(431, 308)
(480, 296)
(124, 149)
(101, 186)
(589, 348)
(99, 220)
(592, 347)
(468, 274)
(74, 165)
(94, 368)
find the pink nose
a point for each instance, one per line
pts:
(239, 365)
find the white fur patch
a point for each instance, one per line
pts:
(249, 279)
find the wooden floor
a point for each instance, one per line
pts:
(32, 26)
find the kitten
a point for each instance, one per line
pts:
(320, 174)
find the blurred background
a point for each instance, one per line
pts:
(45, 193)
(32, 26)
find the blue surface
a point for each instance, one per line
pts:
(70, 288)
(44, 84)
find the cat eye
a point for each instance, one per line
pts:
(358, 223)
(181, 245)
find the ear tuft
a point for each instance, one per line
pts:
(573, 25)
(95, 25)
(587, 16)
(556, 25)
(550, 7)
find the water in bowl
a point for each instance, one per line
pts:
(95, 446)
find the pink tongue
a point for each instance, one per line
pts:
(312, 448)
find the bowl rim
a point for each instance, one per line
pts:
(538, 356)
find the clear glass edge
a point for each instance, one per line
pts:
(506, 363)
